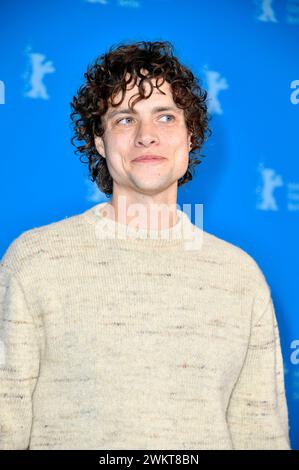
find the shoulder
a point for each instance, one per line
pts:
(40, 242)
(236, 264)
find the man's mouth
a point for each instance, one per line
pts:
(149, 159)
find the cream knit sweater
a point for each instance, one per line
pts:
(135, 342)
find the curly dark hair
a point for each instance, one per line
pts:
(106, 77)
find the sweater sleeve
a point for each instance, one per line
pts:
(19, 363)
(257, 414)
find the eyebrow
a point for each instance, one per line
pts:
(156, 109)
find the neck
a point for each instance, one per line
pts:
(149, 216)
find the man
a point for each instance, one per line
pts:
(126, 326)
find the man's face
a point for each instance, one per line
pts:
(148, 130)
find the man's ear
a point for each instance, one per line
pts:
(99, 143)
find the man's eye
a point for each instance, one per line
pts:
(168, 115)
(119, 120)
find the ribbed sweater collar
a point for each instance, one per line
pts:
(183, 234)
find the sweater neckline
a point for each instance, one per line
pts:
(182, 234)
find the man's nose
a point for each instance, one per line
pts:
(146, 135)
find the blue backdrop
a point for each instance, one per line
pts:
(245, 53)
